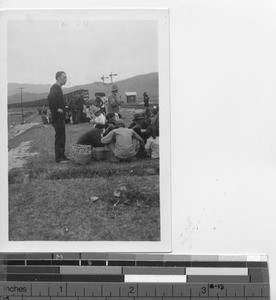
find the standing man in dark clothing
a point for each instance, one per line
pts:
(73, 110)
(146, 99)
(57, 108)
(79, 105)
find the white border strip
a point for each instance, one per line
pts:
(156, 278)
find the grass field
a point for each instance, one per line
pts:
(102, 201)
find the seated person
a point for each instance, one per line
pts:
(92, 109)
(139, 125)
(92, 137)
(110, 118)
(154, 110)
(99, 117)
(88, 114)
(105, 100)
(154, 122)
(98, 102)
(111, 122)
(124, 143)
(152, 145)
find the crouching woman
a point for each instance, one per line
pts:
(123, 143)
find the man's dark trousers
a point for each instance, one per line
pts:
(60, 138)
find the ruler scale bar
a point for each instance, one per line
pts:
(28, 270)
(88, 289)
(64, 278)
(139, 298)
(133, 270)
(136, 263)
(85, 276)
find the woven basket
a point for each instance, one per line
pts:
(99, 153)
(81, 154)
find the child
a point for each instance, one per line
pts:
(152, 145)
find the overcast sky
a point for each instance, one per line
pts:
(85, 50)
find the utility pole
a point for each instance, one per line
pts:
(111, 77)
(103, 78)
(22, 106)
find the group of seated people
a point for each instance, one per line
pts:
(141, 138)
(79, 110)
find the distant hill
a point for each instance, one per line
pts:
(13, 88)
(26, 97)
(138, 84)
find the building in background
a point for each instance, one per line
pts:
(131, 97)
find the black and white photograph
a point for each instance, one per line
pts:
(192, 82)
(88, 156)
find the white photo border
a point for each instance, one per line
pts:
(162, 16)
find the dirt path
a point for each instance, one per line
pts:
(20, 128)
(18, 156)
